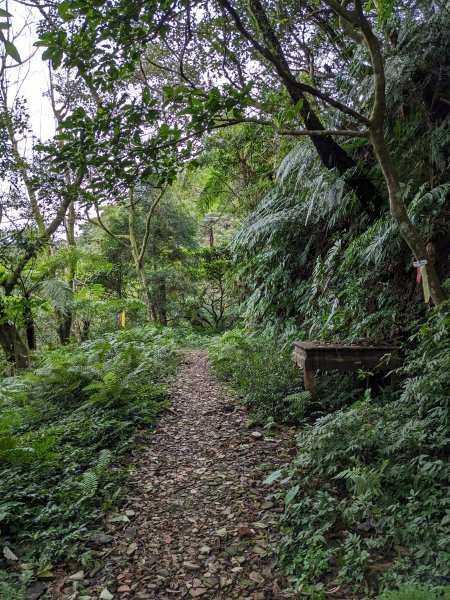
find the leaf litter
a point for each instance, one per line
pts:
(197, 520)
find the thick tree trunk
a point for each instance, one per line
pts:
(400, 215)
(398, 210)
(333, 156)
(15, 349)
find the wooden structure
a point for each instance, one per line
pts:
(327, 356)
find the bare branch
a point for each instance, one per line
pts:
(283, 70)
(101, 224)
(151, 211)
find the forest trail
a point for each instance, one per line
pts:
(199, 523)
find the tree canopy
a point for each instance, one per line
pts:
(254, 172)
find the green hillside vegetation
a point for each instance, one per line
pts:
(236, 176)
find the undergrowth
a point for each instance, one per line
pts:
(259, 368)
(245, 360)
(368, 509)
(369, 506)
(62, 426)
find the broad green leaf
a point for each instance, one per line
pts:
(164, 130)
(11, 50)
(272, 477)
(291, 494)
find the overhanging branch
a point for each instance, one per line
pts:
(299, 132)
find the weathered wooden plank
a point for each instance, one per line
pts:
(312, 356)
(323, 346)
(299, 357)
(308, 379)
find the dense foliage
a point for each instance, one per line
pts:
(368, 503)
(264, 171)
(62, 428)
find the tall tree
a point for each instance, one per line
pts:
(36, 204)
(255, 52)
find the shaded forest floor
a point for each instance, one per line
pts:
(196, 520)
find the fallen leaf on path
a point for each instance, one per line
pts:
(256, 577)
(76, 576)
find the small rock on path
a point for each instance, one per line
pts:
(197, 521)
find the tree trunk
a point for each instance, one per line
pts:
(400, 215)
(64, 327)
(30, 327)
(66, 319)
(333, 156)
(15, 349)
(138, 255)
(397, 207)
(84, 334)
(162, 300)
(146, 294)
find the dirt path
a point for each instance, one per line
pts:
(197, 521)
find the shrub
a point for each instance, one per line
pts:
(370, 507)
(417, 592)
(61, 428)
(259, 368)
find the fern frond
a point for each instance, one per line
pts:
(89, 484)
(58, 293)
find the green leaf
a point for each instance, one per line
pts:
(4, 13)
(57, 59)
(146, 96)
(47, 54)
(272, 477)
(11, 50)
(64, 10)
(291, 494)
(164, 130)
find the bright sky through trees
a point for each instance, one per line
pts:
(30, 79)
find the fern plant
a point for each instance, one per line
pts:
(63, 427)
(417, 592)
(374, 474)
